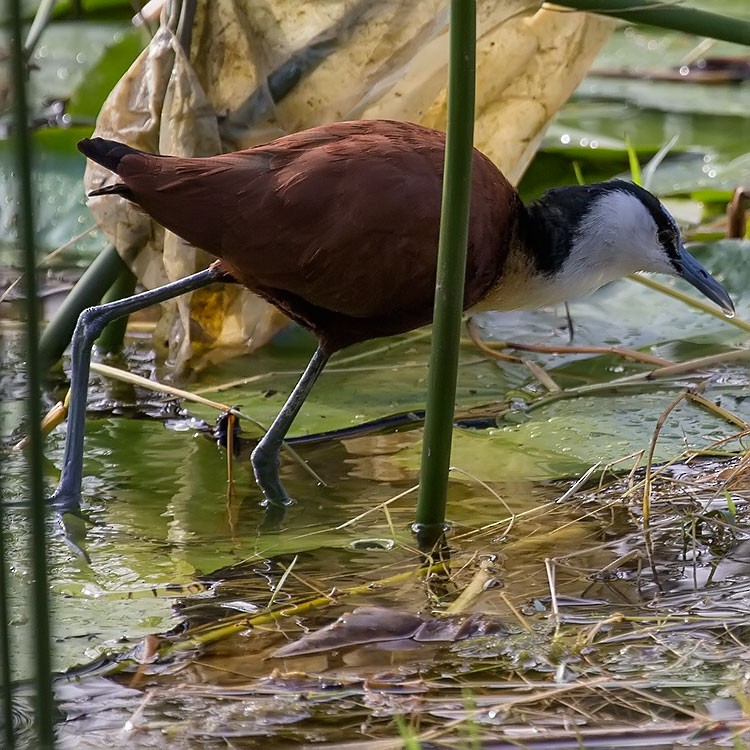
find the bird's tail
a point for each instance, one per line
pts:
(109, 154)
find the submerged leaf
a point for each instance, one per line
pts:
(363, 625)
(378, 625)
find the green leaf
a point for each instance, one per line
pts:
(635, 166)
(90, 94)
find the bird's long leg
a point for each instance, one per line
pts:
(91, 323)
(265, 457)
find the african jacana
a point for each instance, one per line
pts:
(338, 227)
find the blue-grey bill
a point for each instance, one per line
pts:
(694, 273)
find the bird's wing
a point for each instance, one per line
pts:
(350, 230)
(345, 216)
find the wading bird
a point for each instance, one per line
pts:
(338, 227)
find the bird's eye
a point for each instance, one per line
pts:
(666, 238)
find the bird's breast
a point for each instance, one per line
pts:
(521, 286)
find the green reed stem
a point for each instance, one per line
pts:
(44, 704)
(668, 15)
(6, 665)
(451, 271)
(89, 290)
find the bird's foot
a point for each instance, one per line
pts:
(276, 499)
(65, 500)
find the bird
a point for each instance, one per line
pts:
(337, 226)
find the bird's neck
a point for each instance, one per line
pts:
(536, 254)
(566, 247)
(569, 255)
(547, 235)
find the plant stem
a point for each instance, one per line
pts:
(451, 271)
(668, 16)
(44, 706)
(88, 291)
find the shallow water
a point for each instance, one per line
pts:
(173, 547)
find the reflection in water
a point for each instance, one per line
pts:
(370, 456)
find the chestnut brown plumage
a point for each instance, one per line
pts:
(331, 225)
(338, 227)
